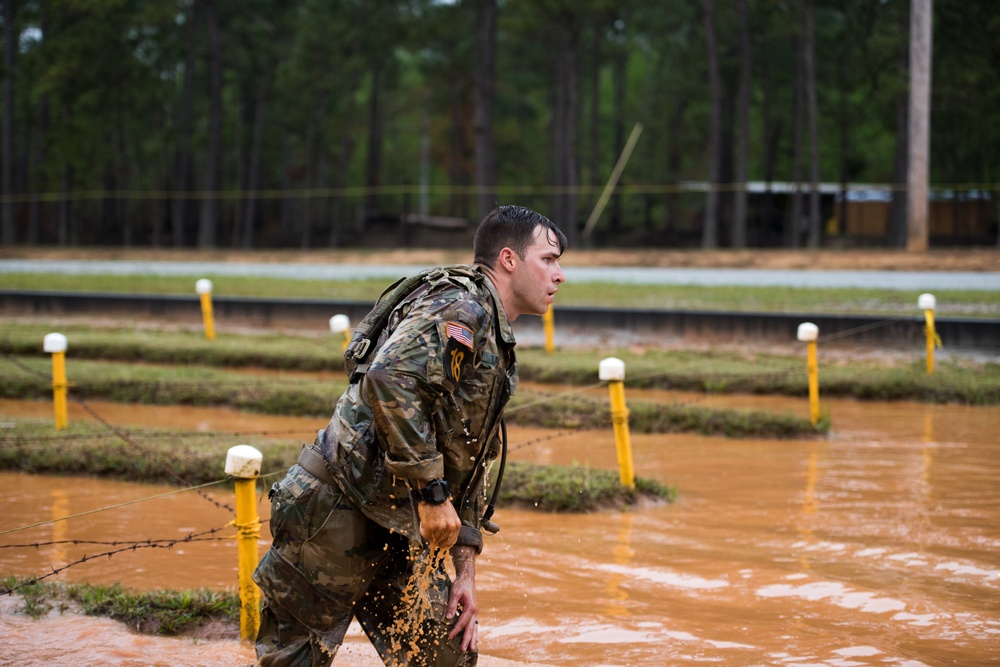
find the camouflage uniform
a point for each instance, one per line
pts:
(428, 408)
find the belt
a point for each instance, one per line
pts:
(314, 463)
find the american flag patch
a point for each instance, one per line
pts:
(460, 333)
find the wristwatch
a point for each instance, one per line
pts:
(435, 492)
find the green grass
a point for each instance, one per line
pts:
(242, 286)
(955, 303)
(195, 385)
(160, 612)
(176, 457)
(157, 612)
(573, 411)
(574, 488)
(725, 371)
(167, 456)
(709, 371)
(263, 350)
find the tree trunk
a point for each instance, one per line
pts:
(897, 210)
(64, 234)
(183, 182)
(563, 128)
(594, 153)
(812, 120)
(288, 203)
(10, 39)
(253, 162)
(675, 159)
(157, 208)
(844, 68)
(305, 226)
(739, 239)
(373, 167)
(208, 224)
(322, 182)
(457, 173)
(793, 234)
(921, 15)
(123, 202)
(341, 166)
(486, 177)
(710, 231)
(38, 160)
(620, 75)
(772, 140)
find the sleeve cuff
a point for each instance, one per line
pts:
(426, 470)
(470, 537)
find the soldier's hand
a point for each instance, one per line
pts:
(439, 524)
(463, 599)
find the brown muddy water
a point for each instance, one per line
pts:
(878, 546)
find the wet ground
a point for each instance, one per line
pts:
(879, 546)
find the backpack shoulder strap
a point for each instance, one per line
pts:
(366, 334)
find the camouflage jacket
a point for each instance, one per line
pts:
(429, 406)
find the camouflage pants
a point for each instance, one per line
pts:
(329, 563)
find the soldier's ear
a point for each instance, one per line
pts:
(507, 259)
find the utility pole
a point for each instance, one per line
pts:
(921, 16)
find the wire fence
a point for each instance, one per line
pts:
(132, 439)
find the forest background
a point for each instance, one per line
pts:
(342, 123)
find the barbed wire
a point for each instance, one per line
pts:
(126, 503)
(200, 537)
(866, 327)
(135, 546)
(112, 543)
(544, 438)
(82, 379)
(641, 377)
(122, 435)
(165, 468)
(176, 435)
(635, 378)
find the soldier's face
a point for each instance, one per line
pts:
(538, 275)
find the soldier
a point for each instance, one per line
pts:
(399, 476)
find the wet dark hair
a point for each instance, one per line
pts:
(510, 227)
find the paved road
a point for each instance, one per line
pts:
(892, 280)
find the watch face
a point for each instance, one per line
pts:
(436, 492)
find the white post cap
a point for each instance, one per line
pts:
(808, 332)
(926, 302)
(54, 342)
(203, 286)
(611, 369)
(243, 461)
(339, 324)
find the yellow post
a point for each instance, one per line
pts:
(612, 371)
(204, 288)
(243, 464)
(341, 324)
(813, 382)
(549, 322)
(808, 333)
(927, 302)
(55, 344)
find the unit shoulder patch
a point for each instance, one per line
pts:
(458, 350)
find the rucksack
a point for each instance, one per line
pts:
(365, 337)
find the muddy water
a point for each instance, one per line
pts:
(879, 546)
